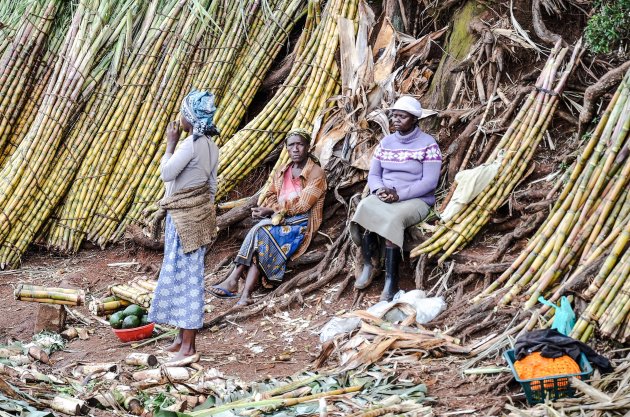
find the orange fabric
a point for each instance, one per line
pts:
(535, 366)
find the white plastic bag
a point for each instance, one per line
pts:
(426, 310)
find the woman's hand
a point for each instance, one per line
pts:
(261, 212)
(387, 195)
(173, 133)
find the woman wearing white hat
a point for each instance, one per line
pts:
(403, 176)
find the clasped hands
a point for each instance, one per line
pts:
(387, 195)
(262, 212)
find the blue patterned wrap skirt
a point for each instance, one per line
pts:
(274, 245)
(179, 295)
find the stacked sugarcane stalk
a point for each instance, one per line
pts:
(94, 28)
(107, 305)
(269, 33)
(138, 292)
(588, 228)
(221, 46)
(20, 62)
(49, 295)
(301, 97)
(519, 143)
(261, 46)
(76, 213)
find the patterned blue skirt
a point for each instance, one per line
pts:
(179, 295)
(273, 245)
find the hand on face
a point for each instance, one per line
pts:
(173, 132)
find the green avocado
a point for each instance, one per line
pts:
(133, 310)
(116, 319)
(130, 322)
(144, 320)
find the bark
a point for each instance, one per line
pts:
(596, 91)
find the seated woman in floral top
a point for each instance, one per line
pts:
(403, 176)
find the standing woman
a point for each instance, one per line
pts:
(190, 177)
(403, 177)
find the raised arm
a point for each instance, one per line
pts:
(172, 164)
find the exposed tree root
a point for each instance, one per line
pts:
(540, 29)
(596, 91)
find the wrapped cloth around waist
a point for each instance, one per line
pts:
(193, 214)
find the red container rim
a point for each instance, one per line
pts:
(135, 329)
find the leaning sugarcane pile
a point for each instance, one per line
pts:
(49, 295)
(519, 143)
(583, 245)
(88, 89)
(313, 78)
(87, 53)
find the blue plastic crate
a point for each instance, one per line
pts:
(552, 387)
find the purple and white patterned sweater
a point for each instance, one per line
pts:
(410, 164)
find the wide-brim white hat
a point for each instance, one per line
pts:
(412, 106)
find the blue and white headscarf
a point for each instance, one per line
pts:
(198, 108)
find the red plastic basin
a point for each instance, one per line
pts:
(137, 333)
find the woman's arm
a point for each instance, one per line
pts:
(214, 163)
(309, 195)
(270, 199)
(427, 184)
(375, 176)
(173, 164)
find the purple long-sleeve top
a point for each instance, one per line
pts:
(408, 163)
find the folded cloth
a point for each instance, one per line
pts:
(553, 344)
(194, 216)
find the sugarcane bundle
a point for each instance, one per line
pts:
(270, 30)
(20, 60)
(94, 28)
(107, 305)
(590, 220)
(247, 149)
(50, 295)
(519, 144)
(146, 136)
(221, 50)
(132, 293)
(253, 61)
(609, 306)
(73, 216)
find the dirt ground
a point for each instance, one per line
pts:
(260, 347)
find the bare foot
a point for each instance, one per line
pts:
(182, 354)
(245, 302)
(176, 345)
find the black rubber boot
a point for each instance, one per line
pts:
(370, 255)
(392, 259)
